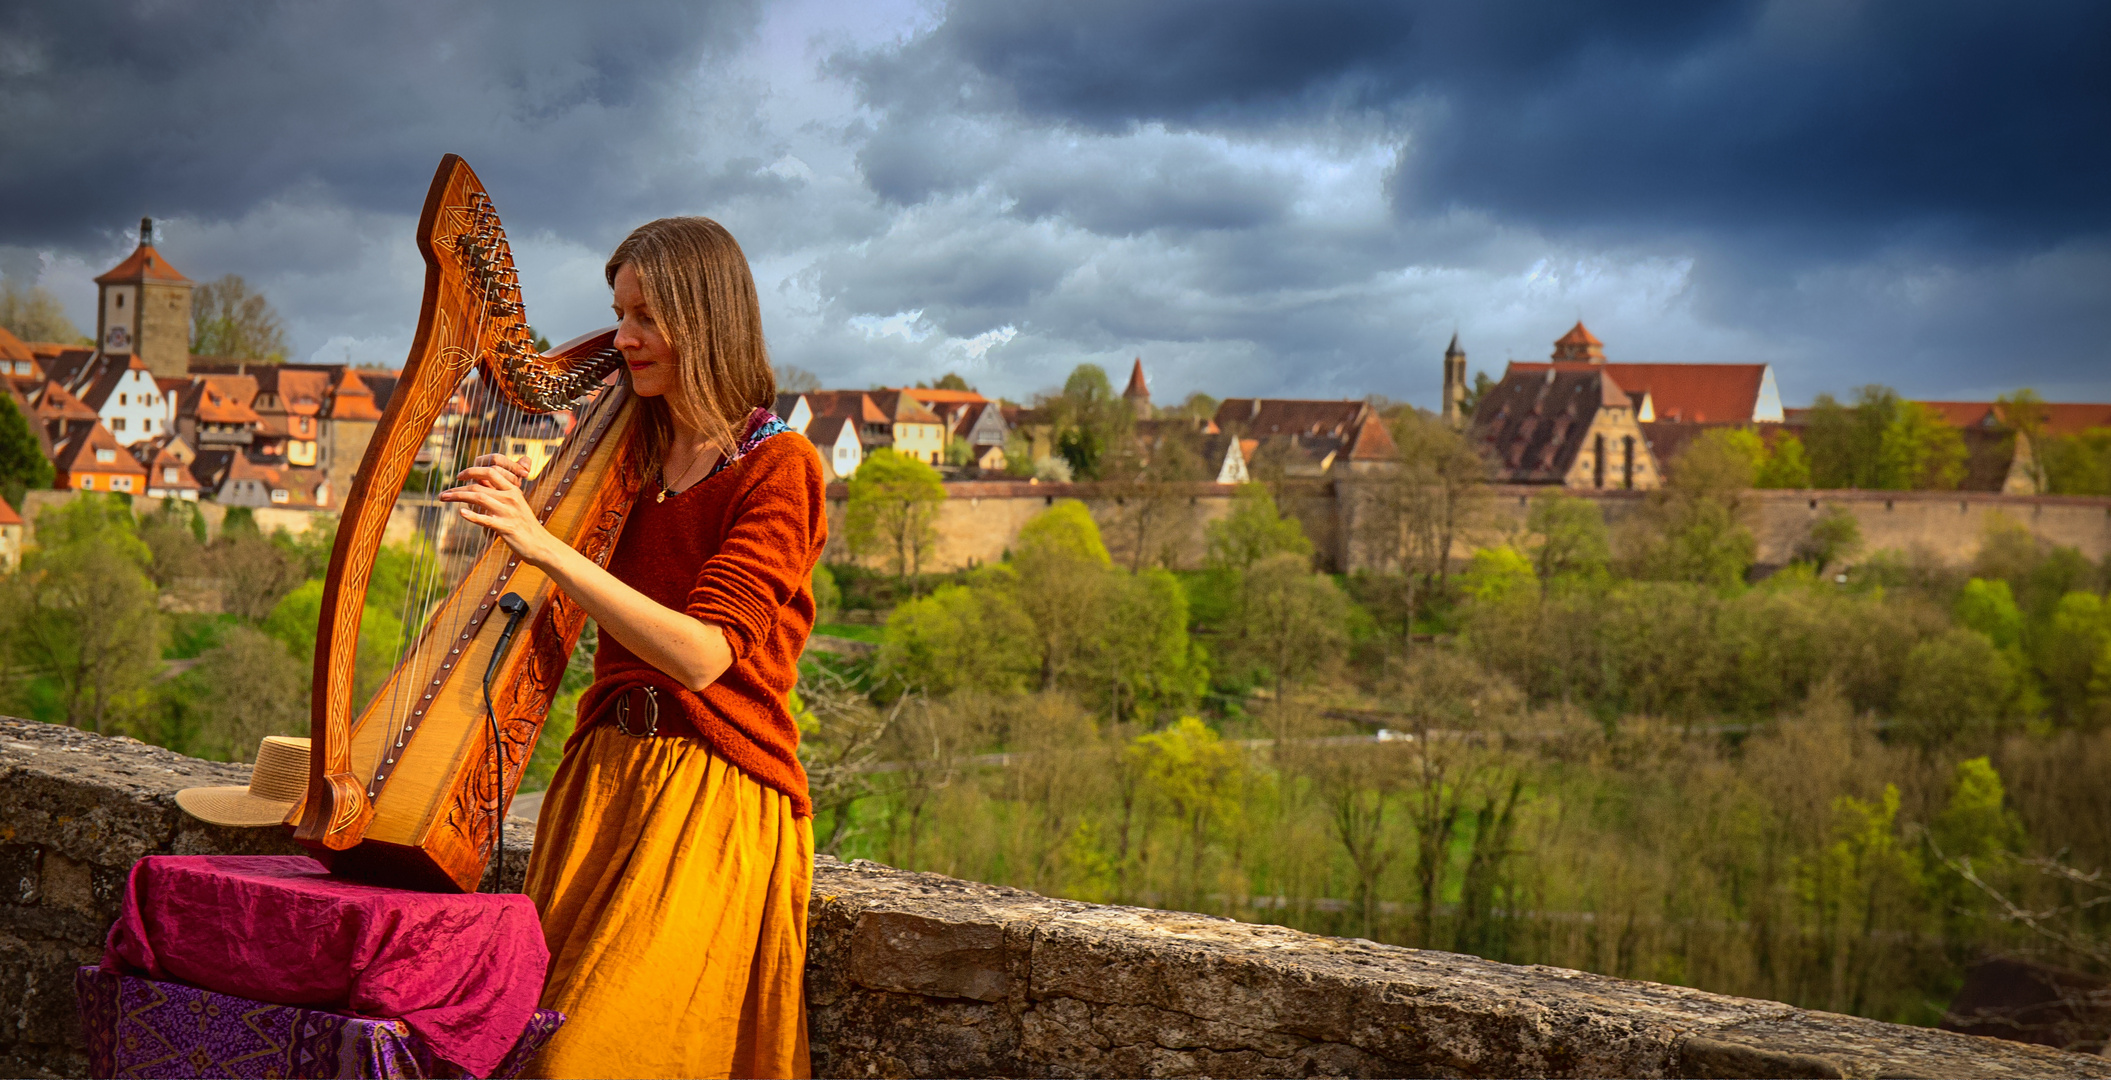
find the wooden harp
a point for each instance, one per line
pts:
(411, 792)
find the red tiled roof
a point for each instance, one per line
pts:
(144, 264)
(352, 399)
(943, 397)
(1287, 416)
(56, 404)
(77, 455)
(1685, 393)
(1533, 425)
(855, 403)
(1373, 443)
(8, 515)
(902, 408)
(1579, 344)
(109, 372)
(221, 399)
(14, 348)
(2058, 418)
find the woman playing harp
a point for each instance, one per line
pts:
(674, 852)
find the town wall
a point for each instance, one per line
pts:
(402, 523)
(980, 521)
(922, 975)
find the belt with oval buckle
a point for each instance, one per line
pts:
(652, 712)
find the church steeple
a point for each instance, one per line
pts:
(1455, 383)
(1136, 393)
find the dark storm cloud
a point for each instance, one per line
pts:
(1837, 122)
(207, 110)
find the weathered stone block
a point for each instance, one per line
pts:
(21, 873)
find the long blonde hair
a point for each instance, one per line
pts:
(696, 278)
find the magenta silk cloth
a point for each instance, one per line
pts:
(463, 971)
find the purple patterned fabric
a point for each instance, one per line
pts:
(142, 1028)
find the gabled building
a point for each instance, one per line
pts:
(1573, 428)
(18, 359)
(91, 460)
(125, 396)
(289, 405)
(1671, 393)
(251, 482)
(913, 429)
(835, 438)
(215, 411)
(1292, 437)
(60, 414)
(167, 462)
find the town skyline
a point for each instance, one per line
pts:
(929, 190)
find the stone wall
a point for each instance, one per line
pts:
(922, 975)
(980, 521)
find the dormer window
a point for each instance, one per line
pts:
(168, 474)
(105, 457)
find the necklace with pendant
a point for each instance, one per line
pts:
(668, 492)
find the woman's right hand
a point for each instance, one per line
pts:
(517, 466)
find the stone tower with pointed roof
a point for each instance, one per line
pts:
(1579, 346)
(1455, 383)
(143, 309)
(1136, 393)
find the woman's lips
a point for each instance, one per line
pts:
(639, 365)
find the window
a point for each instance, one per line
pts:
(520, 449)
(87, 483)
(278, 495)
(105, 457)
(122, 399)
(120, 483)
(120, 300)
(168, 474)
(117, 424)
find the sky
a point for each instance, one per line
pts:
(1256, 197)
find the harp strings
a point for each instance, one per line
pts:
(477, 418)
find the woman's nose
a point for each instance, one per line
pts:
(625, 339)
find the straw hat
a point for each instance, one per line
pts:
(279, 780)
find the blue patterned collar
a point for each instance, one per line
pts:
(761, 424)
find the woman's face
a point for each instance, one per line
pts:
(654, 368)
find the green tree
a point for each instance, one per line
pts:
(1201, 780)
(82, 612)
(893, 510)
(828, 596)
(1834, 536)
(1702, 532)
(1062, 584)
(23, 466)
(1254, 530)
(1291, 627)
(1481, 385)
(1990, 608)
(2078, 464)
(1572, 538)
(1863, 881)
(959, 638)
(1144, 662)
(1956, 684)
(1497, 574)
(1786, 466)
(1092, 425)
(1410, 517)
(34, 314)
(251, 687)
(952, 381)
(1919, 450)
(227, 319)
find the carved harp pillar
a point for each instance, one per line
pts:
(408, 789)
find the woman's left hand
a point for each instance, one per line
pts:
(490, 495)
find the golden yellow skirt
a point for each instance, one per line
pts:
(672, 889)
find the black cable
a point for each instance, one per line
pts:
(514, 607)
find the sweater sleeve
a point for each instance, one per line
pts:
(769, 549)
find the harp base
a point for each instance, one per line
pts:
(399, 866)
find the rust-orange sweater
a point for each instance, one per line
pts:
(738, 550)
